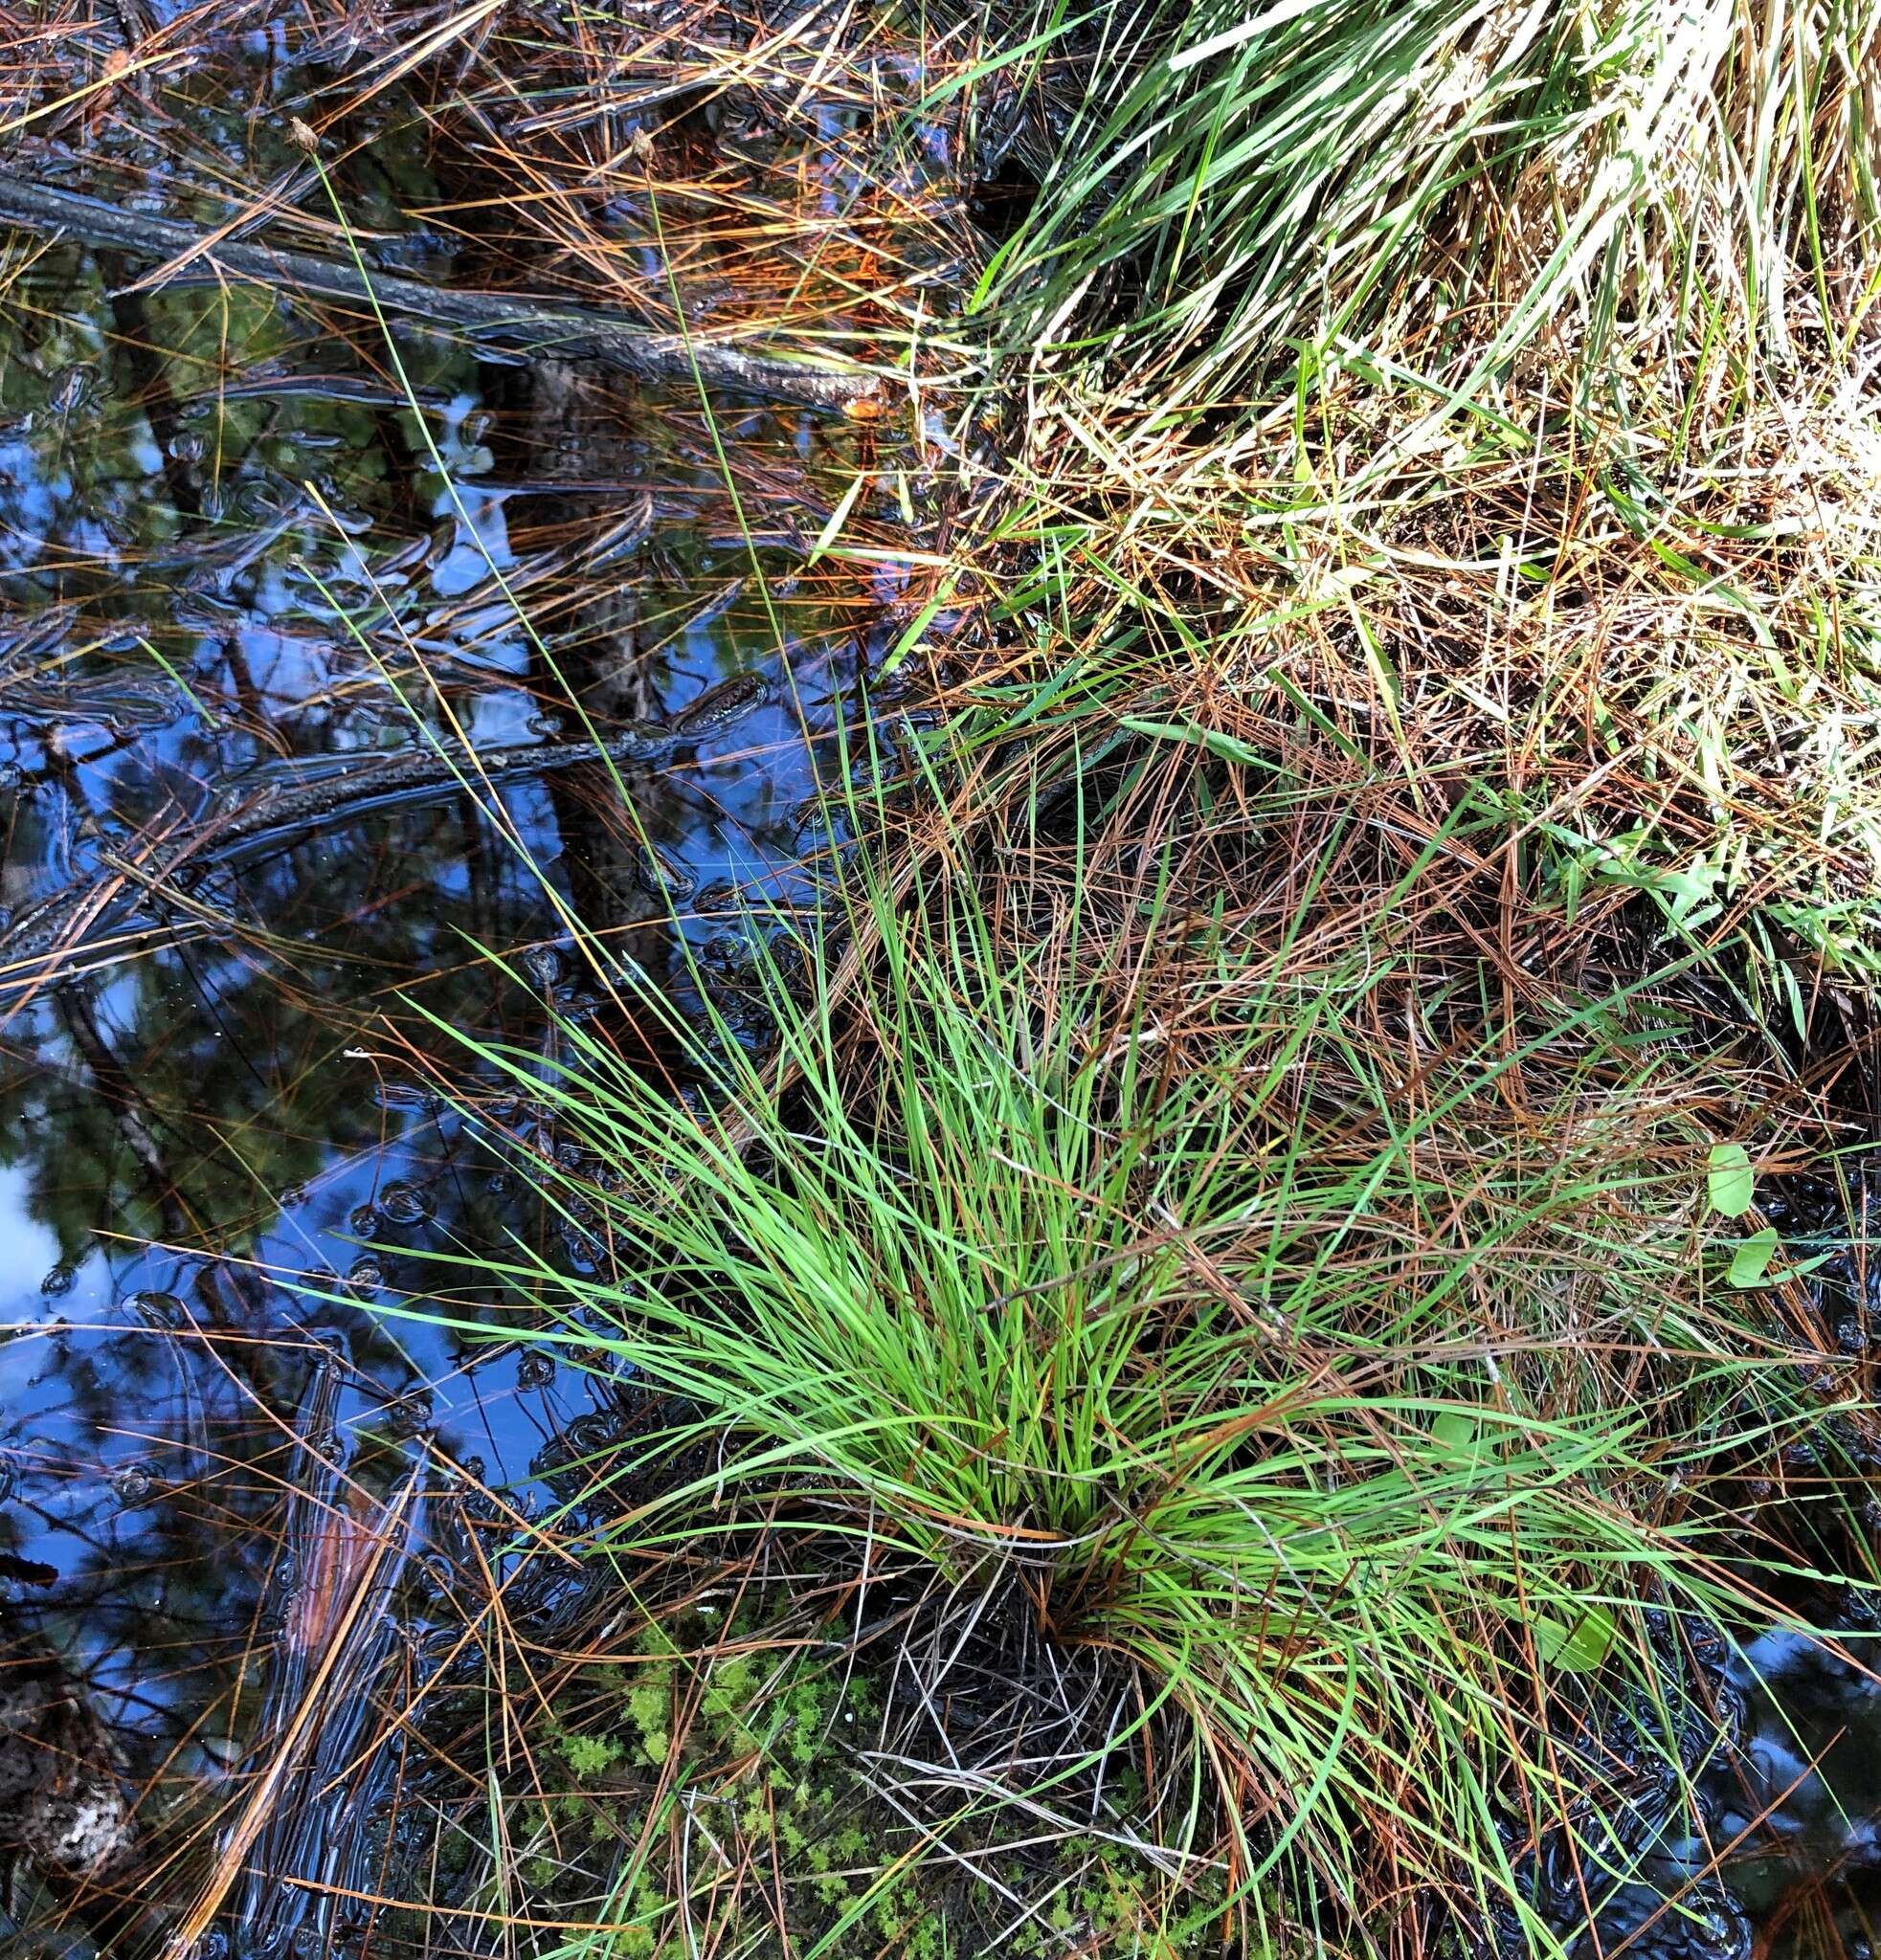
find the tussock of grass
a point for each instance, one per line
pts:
(1324, 1349)
(1243, 1215)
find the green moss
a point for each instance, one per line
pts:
(748, 1753)
(591, 1755)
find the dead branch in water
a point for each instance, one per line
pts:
(523, 324)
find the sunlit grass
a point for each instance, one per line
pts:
(1119, 1261)
(1235, 1193)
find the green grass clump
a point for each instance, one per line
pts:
(1119, 1261)
(1225, 1206)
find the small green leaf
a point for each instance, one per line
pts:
(845, 503)
(1752, 1259)
(1579, 1648)
(1730, 1182)
(1455, 1428)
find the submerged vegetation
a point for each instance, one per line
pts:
(1223, 1310)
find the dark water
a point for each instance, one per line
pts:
(239, 553)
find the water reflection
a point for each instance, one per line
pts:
(252, 1522)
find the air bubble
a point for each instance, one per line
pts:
(405, 1204)
(546, 967)
(535, 1370)
(161, 1310)
(61, 1281)
(410, 1414)
(133, 1483)
(658, 878)
(366, 1276)
(363, 1221)
(397, 1095)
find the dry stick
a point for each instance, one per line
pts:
(530, 324)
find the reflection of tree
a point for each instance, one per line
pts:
(152, 452)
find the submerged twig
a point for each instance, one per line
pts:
(517, 322)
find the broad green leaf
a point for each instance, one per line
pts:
(1455, 1428)
(1579, 1648)
(1752, 1259)
(1730, 1182)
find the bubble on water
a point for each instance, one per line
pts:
(402, 1095)
(729, 953)
(326, 1443)
(569, 1156)
(535, 1370)
(588, 1436)
(61, 1281)
(160, 1310)
(132, 1484)
(366, 1276)
(213, 1945)
(501, 1184)
(662, 878)
(409, 1414)
(293, 1197)
(546, 966)
(363, 1221)
(405, 1204)
(587, 1255)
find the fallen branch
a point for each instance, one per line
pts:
(525, 324)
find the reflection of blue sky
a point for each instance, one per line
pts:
(482, 544)
(28, 1251)
(33, 497)
(231, 1054)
